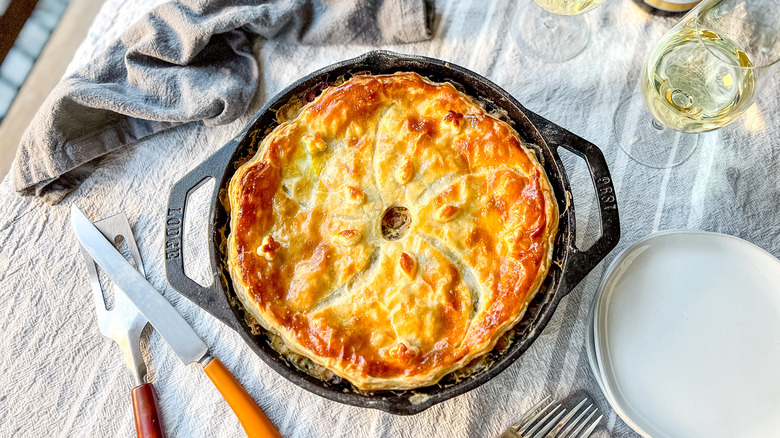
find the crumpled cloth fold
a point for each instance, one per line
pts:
(186, 60)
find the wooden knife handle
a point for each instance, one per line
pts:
(147, 416)
(252, 418)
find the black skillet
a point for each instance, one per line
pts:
(569, 266)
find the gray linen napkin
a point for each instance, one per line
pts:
(185, 60)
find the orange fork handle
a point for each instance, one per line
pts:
(252, 418)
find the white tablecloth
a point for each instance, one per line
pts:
(59, 377)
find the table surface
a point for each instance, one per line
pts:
(60, 377)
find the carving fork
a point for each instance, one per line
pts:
(124, 323)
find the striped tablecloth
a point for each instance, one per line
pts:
(60, 378)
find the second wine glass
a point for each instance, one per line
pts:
(704, 73)
(552, 30)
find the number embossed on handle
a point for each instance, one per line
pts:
(606, 193)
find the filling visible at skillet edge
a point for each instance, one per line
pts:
(391, 232)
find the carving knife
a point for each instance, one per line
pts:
(124, 323)
(171, 325)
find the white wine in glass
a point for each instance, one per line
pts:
(694, 90)
(702, 75)
(568, 7)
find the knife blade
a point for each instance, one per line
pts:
(171, 325)
(164, 318)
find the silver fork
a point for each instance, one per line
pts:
(550, 420)
(124, 324)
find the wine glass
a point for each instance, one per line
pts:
(552, 30)
(704, 73)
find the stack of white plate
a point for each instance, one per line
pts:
(685, 337)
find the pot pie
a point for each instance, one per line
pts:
(391, 232)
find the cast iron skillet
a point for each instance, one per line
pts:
(569, 266)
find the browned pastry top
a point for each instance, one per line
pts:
(391, 232)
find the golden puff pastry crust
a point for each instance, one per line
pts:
(391, 232)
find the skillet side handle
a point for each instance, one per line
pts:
(209, 298)
(579, 262)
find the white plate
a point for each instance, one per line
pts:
(590, 345)
(687, 337)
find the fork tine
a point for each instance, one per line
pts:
(546, 419)
(524, 430)
(543, 432)
(565, 420)
(567, 431)
(531, 411)
(592, 427)
(111, 227)
(118, 225)
(578, 429)
(94, 280)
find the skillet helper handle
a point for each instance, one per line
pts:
(206, 297)
(174, 225)
(252, 418)
(147, 415)
(580, 263)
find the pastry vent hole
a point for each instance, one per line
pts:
(396, 222)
